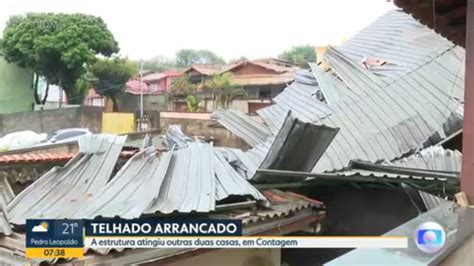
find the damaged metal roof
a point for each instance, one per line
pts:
(189, 184)
(131, 190)
(383, 121)
(433, 158)
(196, 178)
(62, 190)
(242, 125)
(6, 195)
(433, 163)
(297, 147)
(301, 97)
(230, 183)
(400, 41)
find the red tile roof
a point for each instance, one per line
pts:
(45, 157)
(133, 87)
(34, 157)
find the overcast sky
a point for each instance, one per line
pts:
(251, 28)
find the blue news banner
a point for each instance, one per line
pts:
(67, 238)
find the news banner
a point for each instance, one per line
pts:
(69, 238)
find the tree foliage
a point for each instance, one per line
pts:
(182, 86)
(186, 57)
(299, 55)
(159, 64)
(57, 46)
(223, 91)
(110, 76)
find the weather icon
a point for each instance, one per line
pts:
(41, 228)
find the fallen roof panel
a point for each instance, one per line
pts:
(301, 98)
(242, 125)
(131, 190)
(62, 190)
(189, 184)
(383, 121)
(297, 147)
(230, 183)
(398, 39)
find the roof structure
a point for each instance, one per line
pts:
(269, 65)
(134, 86)
(301, 97)
(400, 41)
(204, 69)
(158, 76)
(142, 176)
(197, 177)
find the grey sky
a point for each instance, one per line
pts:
(251, 28)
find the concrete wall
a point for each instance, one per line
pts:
(16, 94)
(233, 257)
(200, 124)
(51, 120)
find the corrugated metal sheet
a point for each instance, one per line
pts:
(301, 97)
(197, 177)
(62, 190)
(6, 195)
(297, 147)
(242, 125)
(131, 190)
(229, 182)
(382, 121)
(189, 184)
(240, 161)
(433, 159)
(398, 39)
(431, 201)
(176, 137)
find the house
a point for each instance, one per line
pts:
(160, 82)
(262, 80)
(198, 73)
(16, 94)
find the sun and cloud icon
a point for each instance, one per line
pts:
(40, 228)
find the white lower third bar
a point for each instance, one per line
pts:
(248, 242)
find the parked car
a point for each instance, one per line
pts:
(21, 139)
(68, 134)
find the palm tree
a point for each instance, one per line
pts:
(222, 89)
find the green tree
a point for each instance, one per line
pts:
(186, 57)
(222, 89)
(57, 46)
(111, 75)
(299, 55)
(192, 103)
